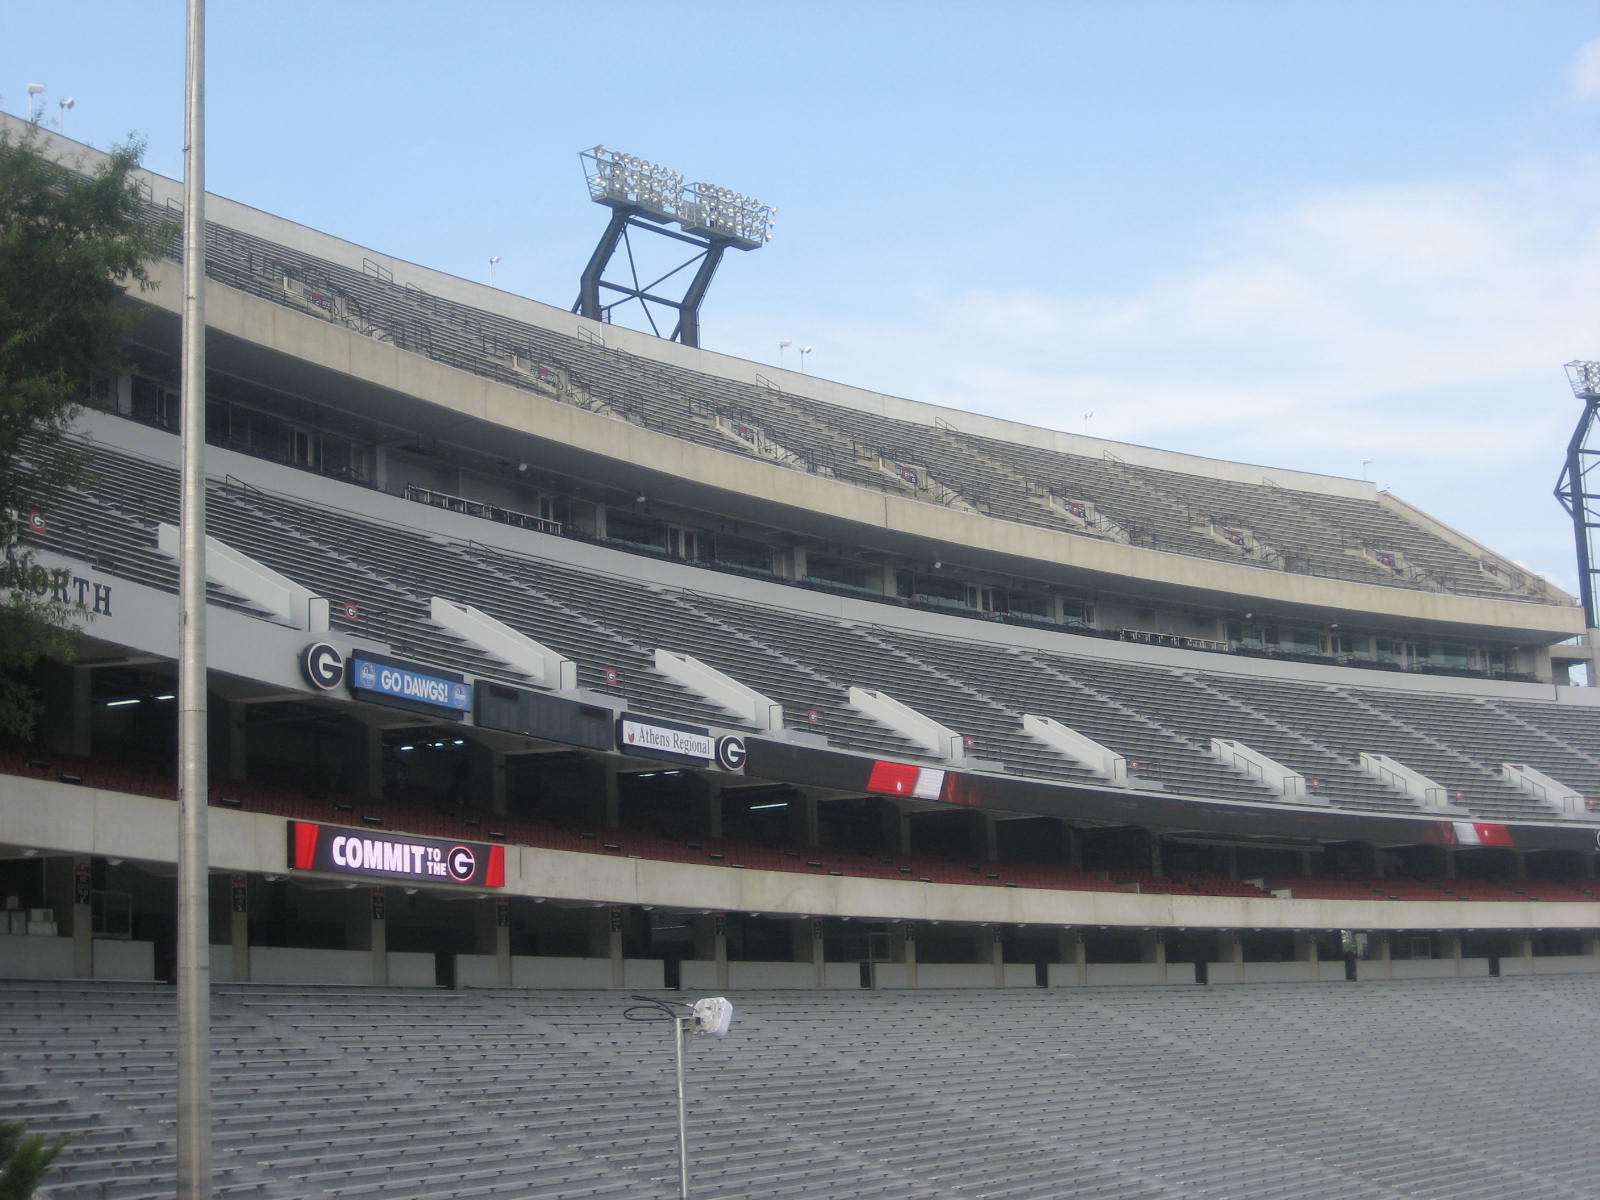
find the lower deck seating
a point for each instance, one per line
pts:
(1373, 1091)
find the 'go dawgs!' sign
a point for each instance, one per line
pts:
(339, 850)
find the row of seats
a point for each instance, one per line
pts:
(1262, 1092)
(1312, 533)
(1161, 719)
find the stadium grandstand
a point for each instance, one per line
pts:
(1063, 817)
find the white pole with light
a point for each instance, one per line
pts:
(709, 1017)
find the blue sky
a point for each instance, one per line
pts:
(1296, 234)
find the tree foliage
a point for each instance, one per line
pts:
(24, 1159)
(71, 243)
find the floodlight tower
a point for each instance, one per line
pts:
(647, 197)
(1577, 490)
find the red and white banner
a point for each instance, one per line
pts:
(1472, 833)
(903, 779)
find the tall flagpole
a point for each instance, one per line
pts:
(194, 967)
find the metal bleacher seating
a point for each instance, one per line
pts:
(1455, 1089)
(1160, 718)
(1307, 532)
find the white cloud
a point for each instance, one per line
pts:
(1422, 325)
(1586, 71)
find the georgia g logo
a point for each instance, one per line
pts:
(462, 863)
(322, 666)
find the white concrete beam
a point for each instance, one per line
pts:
(939, 740)
(538, 662)
(1069, 743)
(287, 601)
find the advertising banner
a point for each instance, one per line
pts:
(403, 857)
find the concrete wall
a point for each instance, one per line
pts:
(1555, 964)
(24, 957)
(1427, 968)
(293, 964)
(68, 819)
(542, 971)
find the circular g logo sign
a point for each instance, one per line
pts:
(461, 863)
(322, 666)
(731, 753)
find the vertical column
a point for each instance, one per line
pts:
(1587, 943)
(902, 843)
(363, 757)
(238, 748)
(1231, 859)
(1306, 862)
(989, 831)
(1450, 947)
(1519, 864)
(68, 706)
(1305, 951)
(486, 777)
(1379, 963)
(614, 946)
(378, 917)
(1522, 945)
(1074, 846)
(1156, 866)
(502, 942)
(239, 927)
(908, 951)
(1230, 952)
(719, 933)
(82, 918)
(1449, 854)
(997, 954)
(1073, 960)
(819, 955)
(1153, 950)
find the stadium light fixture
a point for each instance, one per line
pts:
(33, 90)
(708, 1017)
(494, 261)
(647, 196)
(804, 350)
(65, 104)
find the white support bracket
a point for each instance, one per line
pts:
(1252, 763)
(1566, 800)
(745, 703)
(1396, 775)
(538, 662)
(1069, 743)
(939, 740)
(287, 602)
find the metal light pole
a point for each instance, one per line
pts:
(679, 1031)
(194, 967)
(710, 1016)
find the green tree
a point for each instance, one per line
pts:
(24, 1159)
(71, 243)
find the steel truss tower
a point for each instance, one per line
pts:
(1578, 489)
(646, 197)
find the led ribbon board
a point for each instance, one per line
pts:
(401, 857)
(405, 685)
